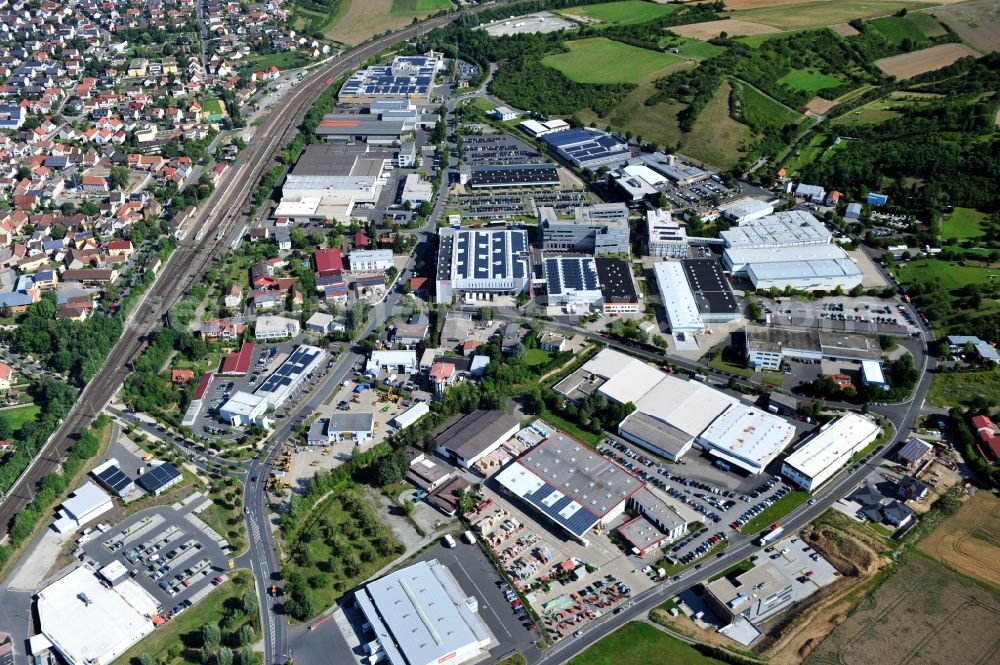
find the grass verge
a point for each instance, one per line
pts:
(775, 512)
(641, 644)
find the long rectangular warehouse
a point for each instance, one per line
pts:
(490, 262)
(747, 437)
(678, 299)
(829, 450)
(276, 388)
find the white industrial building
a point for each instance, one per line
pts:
(872, 374)
(420, 616)
(828, 450)
(370, 260)
(275, 327)
(678, 299)
(539, 128)
(665, 237)
(329, 180)
(672, 415)
(767, 347)
(482, 264)
(283, 382)
(416, 190)
(84, 505)
(244, 409)
(572, 283)
(411, 415)
(781, 229)
(357, 427)
(88, 622)
(669, 418)
(399, 362)
(320, 323)
(802, 267)
(813, 193)
(745, 209)
(747, 437)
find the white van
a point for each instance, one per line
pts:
(449, 541)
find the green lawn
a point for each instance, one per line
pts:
(949, 274)
(600, 60)
(178, 642)
(716, 137)
(641, 644)
(283, 61)
(963, 223)
(18, 416)
(570, 427)
(535, 357)
(212, 105)
(628, 12)
(809, 80)
(411, 6)
(822, 12)
(960, 388)
(775, 512)
(700, 50)
(807, 154)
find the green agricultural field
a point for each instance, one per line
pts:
(411, 6)
(283, 61)
(822, 12)
(691, 48)
(927, 24)
(16, 417)
(600, 60)
(962, 224)
(760, 105)
(961, 388)
(716, 138)
(809, 80)
(628, 12)
(641, 644)
(898, 28)
(807, 153)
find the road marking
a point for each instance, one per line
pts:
(476, 586)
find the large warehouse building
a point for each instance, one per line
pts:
(329, 180)
(781, 229)
(678, 299)
(406, 77)
(588, 148)
(420, 616)
(88, 622)
(482, 264)
(767, 347)
(745, 210)
(506, 176)
(665, 237)
(829, 450)
(599, 229)
(571, 484)
(801, 267)
(673, 415)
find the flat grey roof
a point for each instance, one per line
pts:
(351, 422)
(654, 431)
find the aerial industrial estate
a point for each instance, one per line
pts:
(499, 332)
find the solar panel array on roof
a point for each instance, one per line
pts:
(403, 77)
(159, 478)
(514, 175)
(289, 370)
(114, 479)
(586, 147)
(571, 273)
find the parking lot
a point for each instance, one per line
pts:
(495, 149)
(723, 504)
(167, 551)
(864, 315)
(491, 205)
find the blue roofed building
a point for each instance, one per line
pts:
(588, 148)
(405, 78)
(875, 199)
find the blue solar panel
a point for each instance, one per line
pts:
(578, 523)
